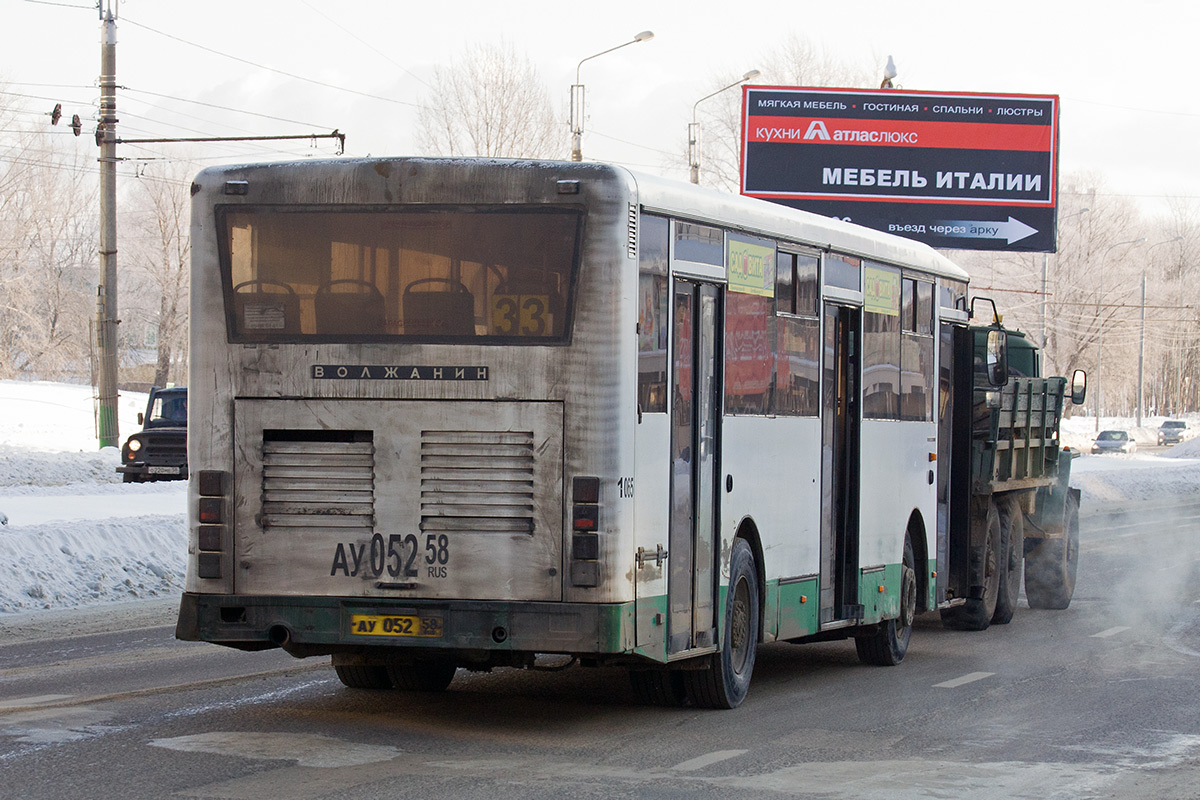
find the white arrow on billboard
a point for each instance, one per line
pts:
(1014, 230)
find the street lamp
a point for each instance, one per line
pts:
(577, 96)
(1142, 337)
(1100, 329)
(889, 75)
(694, 125)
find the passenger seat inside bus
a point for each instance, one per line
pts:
(449, 311)
(349, 306)
(266, 307)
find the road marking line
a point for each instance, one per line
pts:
(703, 761)
(1110, 632)
(970, 677)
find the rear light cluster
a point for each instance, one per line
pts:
(211, 513)
(585, 527)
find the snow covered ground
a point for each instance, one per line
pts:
(76, 536)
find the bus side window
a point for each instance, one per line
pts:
(797, 353)
(881, 342)
(916, 350)
(654, 233)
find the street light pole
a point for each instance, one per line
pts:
(1142, 337)
(694, 126)
(1100, 330)
(577, 96)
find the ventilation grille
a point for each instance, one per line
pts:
(477, 481)
(318, 481)
(633, 230)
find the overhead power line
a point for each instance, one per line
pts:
(256, 65)
(367, 44)
(223, 108)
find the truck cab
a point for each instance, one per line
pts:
(158, 452)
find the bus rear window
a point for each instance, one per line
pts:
(485, 277)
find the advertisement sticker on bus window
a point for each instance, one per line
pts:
(750, 265)
(881, 291)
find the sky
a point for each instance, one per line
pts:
(1123, 72)
(74, 536)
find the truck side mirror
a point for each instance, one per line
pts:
(1078, 386)
(141, 418)
(997, 357)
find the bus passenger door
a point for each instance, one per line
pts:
(691, 582)
(840, 418)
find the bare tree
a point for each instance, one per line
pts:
(1172, 332)
(48, 269)
(795, 62)
(158, 259)
(1092, 293)
(490, 102)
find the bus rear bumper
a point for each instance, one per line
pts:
(484, 630)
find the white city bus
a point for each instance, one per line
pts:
(457, 413)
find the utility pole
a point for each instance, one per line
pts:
(106, 301)
(107, 387)
(1141, 352)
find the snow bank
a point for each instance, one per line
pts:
(74, 534)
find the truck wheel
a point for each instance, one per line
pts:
(725, 683)
(422, 676)
(658, 687)
(1050, 567)
(976, 613)
(886, 646)
(1012, 557)
(363, 677)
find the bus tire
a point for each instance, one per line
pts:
(363, 677)
(658, 687)
(976, 613)
(1012, 558)
(726, 681)
(886, 646)
(1051, 566)
(422, 676)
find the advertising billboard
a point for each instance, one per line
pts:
(953, 170)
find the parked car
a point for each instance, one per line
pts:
(158, 452)
(1172, 431)
(1114, 442)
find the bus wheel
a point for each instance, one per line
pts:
(976, 613)
(886, 646)
(422, 676)
(1012, 557)
(725, 683)
(1050, 567)
(658, 687)
(363, 677)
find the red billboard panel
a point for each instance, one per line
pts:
(972, 171)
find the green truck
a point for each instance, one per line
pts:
(1013, 514)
